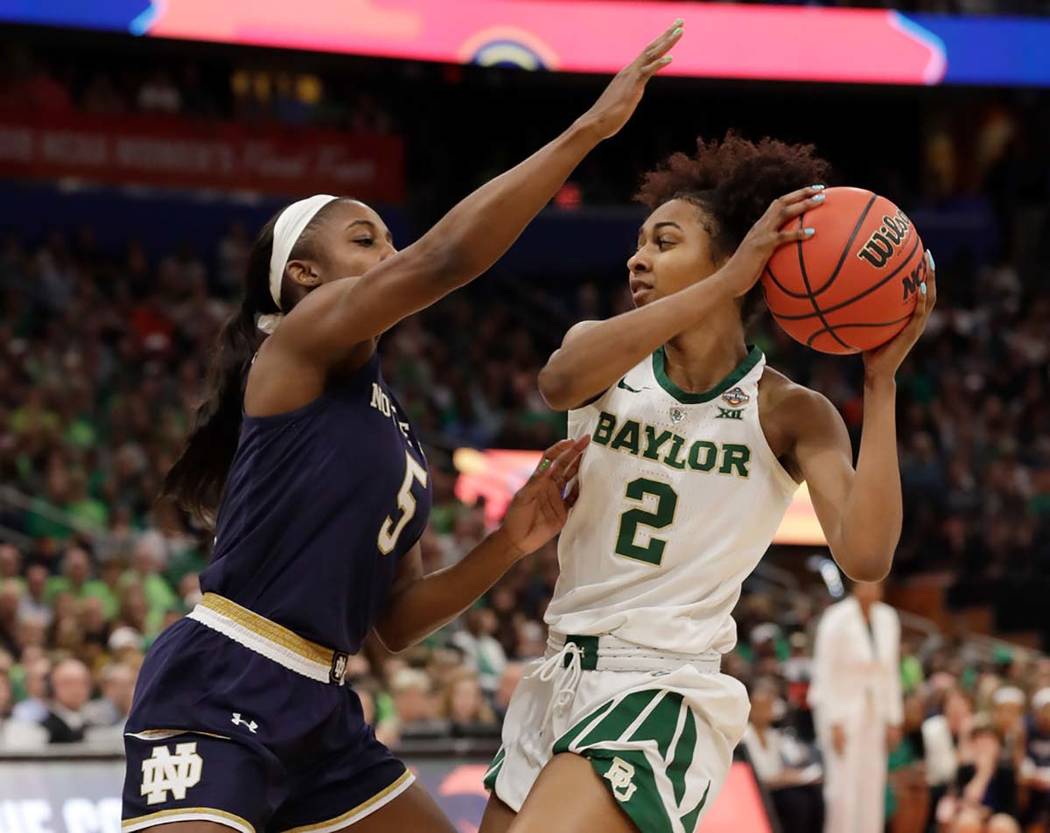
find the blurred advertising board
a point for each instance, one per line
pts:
(769, 42)
(70, 796)
(173, 152)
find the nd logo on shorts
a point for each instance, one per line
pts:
(164, 772)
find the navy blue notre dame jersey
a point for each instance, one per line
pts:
(240, 714)
(319, 506)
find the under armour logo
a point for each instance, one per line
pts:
(164, 773)
(621, 776)
(237, 721)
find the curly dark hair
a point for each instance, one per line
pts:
(732, 181)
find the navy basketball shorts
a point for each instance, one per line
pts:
(239, 721)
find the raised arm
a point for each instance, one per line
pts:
(861, 511)
(596, 354)
(334, 318)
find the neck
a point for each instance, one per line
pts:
(700, 358)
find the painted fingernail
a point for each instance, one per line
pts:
(676, 32)
(809, 232)
(678, 21)
(922, 288)
(816, 187)
(667, 59)
(818, 198)
(929, 261)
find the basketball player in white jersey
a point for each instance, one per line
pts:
(697, 448)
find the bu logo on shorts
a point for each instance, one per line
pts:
(621, 777)
(164, 772)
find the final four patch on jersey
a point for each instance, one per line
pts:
(736, 397)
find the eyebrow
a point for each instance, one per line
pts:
(659, 226)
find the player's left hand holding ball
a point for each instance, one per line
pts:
(540, 508)
(882, 362)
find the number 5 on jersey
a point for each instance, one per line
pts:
(661, 517)
(390, 531)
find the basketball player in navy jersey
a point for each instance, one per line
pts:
(319, 492)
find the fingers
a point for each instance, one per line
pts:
(554, 507)
(796, 232)
(567, 463)
(550, 455)
(931, 279)
(802, 193)
(655, 56)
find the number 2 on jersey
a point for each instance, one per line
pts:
(389, 532)
(662, 516)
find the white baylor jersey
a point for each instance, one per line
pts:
(680, 496)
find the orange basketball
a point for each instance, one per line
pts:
(854, 284)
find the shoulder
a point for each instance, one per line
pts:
(795, 416)
(887, 612)
(793, 404)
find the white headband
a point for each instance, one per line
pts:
(286, 233)
(1041, 698)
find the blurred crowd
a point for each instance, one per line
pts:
(102, 83)
(971, 755)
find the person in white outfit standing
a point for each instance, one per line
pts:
(856, 701)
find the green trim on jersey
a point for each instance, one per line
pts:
(687, 398)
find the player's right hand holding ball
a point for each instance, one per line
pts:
(742, 270)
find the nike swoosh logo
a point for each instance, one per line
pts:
(625, 386)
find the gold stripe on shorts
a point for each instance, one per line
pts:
(200, 814)
(271, 631)
(348, 816)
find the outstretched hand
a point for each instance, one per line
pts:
(616, 105)
(540, 508)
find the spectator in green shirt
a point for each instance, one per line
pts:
(76, 580)
(147, 560)
(87, 513)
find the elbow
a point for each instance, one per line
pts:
(866, 567)
(394, 640)
(555, 388)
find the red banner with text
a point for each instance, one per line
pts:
(181, 153)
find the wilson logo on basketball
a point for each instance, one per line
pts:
(881, 245)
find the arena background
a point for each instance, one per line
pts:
(141, 145)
